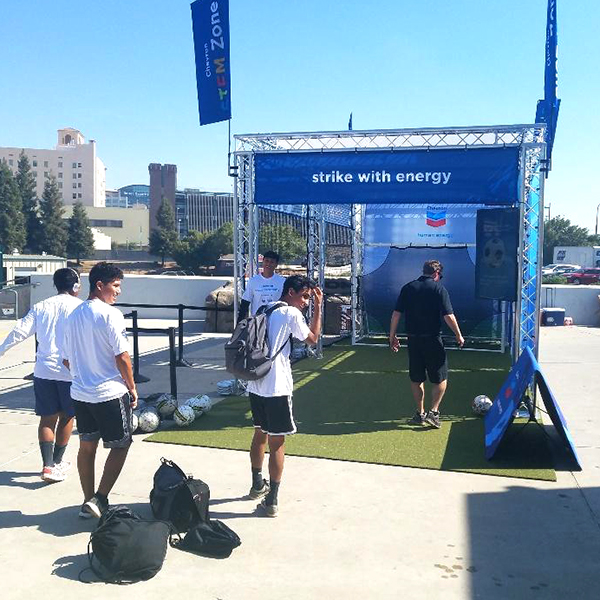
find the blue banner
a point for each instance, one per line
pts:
(210, 25)
(449, 176)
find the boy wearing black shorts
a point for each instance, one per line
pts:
(271, 396)
(424, 302)
(97, 352)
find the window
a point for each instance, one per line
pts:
(60, 164)
(46, 163)
(106, 223)
(74, 175)
(79, 175)
(74, 186)
(34, 163)
(60, 185)
(78, 185)
(79, 195)
(34, 173)
(79, 165)
(74, 196)
(60, 175)
(74, 165)
(45, 173)
(11, 162)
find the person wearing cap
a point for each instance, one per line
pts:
(424, 303)
(51, 379)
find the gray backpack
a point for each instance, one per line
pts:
(247, 352)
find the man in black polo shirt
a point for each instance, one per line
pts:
(424, 302)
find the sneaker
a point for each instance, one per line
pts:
(63, 466)
(433, 418)
(417, 419)
(271, 510)
(52, 474)
(94, 507)
(83, 513)
(255, 494)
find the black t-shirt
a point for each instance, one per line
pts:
(424, 302)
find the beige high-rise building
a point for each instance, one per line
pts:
(80, 174)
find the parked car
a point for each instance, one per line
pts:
(583, 276)
(559, 269)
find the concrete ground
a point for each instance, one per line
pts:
(345, 529)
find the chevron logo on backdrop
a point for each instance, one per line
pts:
(436, 217)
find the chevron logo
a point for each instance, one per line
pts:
(436, 218)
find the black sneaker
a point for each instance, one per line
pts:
(417, 419)
(433, 418)
(255, 494)
(93, 507)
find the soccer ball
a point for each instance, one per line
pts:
(148, 420)
(481, 404)
(198, 405)
(166, 405)
(184, 415)
(494, 252)
(135, 421)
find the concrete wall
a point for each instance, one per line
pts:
(579, 301)
(147, 289)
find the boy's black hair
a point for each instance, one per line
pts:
(297, 283)
(271, 254)
(65, 279)
(104, 272)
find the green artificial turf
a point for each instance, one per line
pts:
(353, 405)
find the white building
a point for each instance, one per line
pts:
(80, 174)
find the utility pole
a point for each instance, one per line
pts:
(597, 209)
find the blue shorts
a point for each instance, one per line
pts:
(52, 397)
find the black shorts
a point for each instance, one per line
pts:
(273, 415)
(52, 397)
(110, 420)
(426, 354)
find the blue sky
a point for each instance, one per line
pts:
(123, 73)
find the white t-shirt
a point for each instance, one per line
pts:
(262, 290)
(278, 381)
(46, 319)
(94, 335)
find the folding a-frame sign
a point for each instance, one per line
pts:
(500, 165)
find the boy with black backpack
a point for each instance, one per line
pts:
(271, 395)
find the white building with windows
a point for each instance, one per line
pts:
(80, 174)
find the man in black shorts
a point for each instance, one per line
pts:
(271, 396)
(424, 302)
(96, 351)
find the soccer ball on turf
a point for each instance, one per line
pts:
(481, 404)
(148, 420)
(197, 404)
(166, 405)
(184, 415)
(135, 421)
(494, 252)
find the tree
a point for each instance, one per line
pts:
(12, 223)
(163, 238)
(559, 231)
(204, 249)
(53, 236)
(27, 189)
(80, 242)
(283, 239)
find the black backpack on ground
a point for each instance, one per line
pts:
(128, 547)
(183, 501)
(247, 351)
(177, 498)
(212, 538)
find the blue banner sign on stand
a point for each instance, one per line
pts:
(210, 25)
(502, 412)
(448, 176)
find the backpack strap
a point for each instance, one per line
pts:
(268, 312)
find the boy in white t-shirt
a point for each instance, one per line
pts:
(271, 396)
(263, 288)
(51, 379)
(96, 351)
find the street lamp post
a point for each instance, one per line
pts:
(597, 210)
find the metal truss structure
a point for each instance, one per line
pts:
(529, 138)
